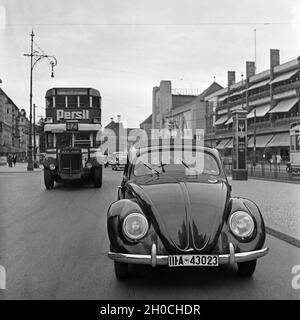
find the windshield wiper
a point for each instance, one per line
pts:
(147, 166)
(184, 163)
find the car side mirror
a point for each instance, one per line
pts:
(230, 187)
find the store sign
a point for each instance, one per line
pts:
(61, 114)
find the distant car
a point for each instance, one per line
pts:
(177, 212)
(119, 160)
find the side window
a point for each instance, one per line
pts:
(297, 142)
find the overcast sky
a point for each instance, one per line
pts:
(126, 47)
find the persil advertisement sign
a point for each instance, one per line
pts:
(62, 114)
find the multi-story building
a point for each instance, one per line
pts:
(271, 99)
(23, 132)
(13, 127)
(146, 125)
(178, 109)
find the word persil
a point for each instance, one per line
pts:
(72, 115)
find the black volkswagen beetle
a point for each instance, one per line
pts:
(175, 208)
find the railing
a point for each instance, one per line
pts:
(264, 169)
(286, 87)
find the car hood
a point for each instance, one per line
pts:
(187, 215)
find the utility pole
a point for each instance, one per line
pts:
(30, 162)
(255, 50)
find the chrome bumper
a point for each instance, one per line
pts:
(159, 260)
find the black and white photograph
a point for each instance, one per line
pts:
(150, 150)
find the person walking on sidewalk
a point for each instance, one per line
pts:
(14, 159)
(9, 160)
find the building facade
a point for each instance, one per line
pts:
(271, 99)
(14, 127)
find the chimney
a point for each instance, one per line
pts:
(118, 117)
(250, 69)
(231, 77)
(274, 58)
(111, 119)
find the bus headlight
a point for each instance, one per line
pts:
(135, 226)
(241, 224)
(52, 166)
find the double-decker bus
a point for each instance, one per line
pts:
(73, 119)
(293, 166)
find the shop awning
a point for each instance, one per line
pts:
(230, 120)
(239, 107)
(261, 141)
(261, 111)
(222, 144)
(223, 98)
(229, 144)
(259, 84)
(280, 140)
(221, 120)
(222, 111)
(285, 76)
(285, 105)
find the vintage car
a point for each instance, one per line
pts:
(175, 208)
(119, 160)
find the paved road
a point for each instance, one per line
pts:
(53, 245)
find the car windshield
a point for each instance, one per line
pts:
(188, 163)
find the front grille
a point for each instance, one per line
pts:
(70, 162)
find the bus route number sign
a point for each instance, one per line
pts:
(72, 126)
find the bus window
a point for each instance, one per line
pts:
(63, 140)
(297, 142)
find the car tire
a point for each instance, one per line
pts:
(246, 269)
(48, 179)
(121, 270)
(97, 177)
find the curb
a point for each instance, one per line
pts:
(284, 237)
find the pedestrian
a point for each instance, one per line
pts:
(278, 159)
(273, 159)
(9, 160)
(14, 159)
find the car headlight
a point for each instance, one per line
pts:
(52, 166)
(241, 224)
(89, 165)
(135, 226)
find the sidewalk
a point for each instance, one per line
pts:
(20, 167)
(279, 203)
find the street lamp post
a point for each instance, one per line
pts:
(34, 138)
(35, 57)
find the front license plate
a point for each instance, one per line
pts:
(193, 260)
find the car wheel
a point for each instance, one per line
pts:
(121, 270)
(97, 177)
(48, 179)
(246, 269)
